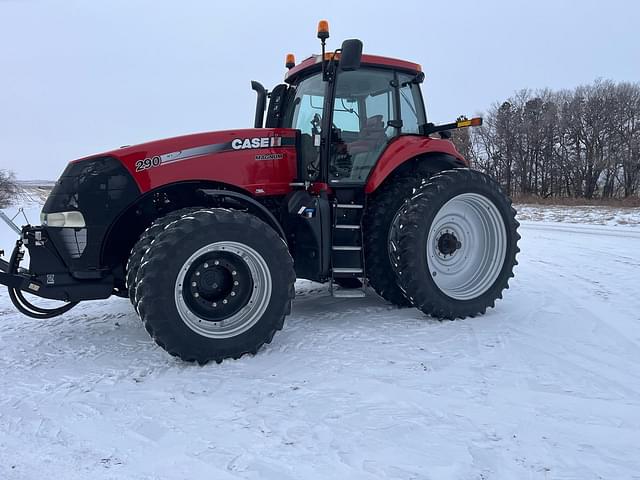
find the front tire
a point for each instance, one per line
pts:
(215, 284)
(143, 244)
(457, 244)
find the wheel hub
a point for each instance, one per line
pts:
(448, 243)
(215, 282)
(220, 285)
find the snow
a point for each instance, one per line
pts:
(599, 215)
(545, 386)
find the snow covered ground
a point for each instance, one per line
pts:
(597, 215)
(545, 386)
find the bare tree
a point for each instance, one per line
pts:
(583, 142)
(8, 187)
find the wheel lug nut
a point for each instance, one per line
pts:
(225, 301)
(197, 274)
(234, 273)
(214, 304)
(236, 283)
(206, 265)
(193, 284)
(233, 294)
(196, 294)
(216, 262)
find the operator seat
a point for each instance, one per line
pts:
(367, 148)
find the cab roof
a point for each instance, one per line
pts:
(314, 62)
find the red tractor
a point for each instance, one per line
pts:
(344, 182)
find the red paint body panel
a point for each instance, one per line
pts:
(403, 148)
(378, 60)
(240, 168)
(234, 167)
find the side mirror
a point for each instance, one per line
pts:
(350, 55)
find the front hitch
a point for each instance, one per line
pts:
(18, 280)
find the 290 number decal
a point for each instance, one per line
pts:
(148, 163)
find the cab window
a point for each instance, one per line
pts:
(304, 112)
(410, 105)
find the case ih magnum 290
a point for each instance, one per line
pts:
(344, 183)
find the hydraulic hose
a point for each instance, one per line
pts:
(22, 304)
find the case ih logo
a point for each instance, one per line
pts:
(257, 142)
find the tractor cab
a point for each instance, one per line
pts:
(365, 109)
(347, 107)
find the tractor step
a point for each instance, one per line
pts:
(347, 270)
(349, 293)
(347, 261)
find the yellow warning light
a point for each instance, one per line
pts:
(474, 122)
(290, 61)
(323, 29)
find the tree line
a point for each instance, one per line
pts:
(579, 143)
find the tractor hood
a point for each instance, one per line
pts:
(259, 160)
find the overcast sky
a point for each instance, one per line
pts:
(80, 77)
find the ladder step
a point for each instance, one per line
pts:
(349, 293)
(346, 248)
(349, 205)
(347, 270)
(348, 227)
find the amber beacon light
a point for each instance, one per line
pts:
(323, 29)
(290, 61)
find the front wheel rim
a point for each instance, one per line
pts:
(234, 306)
(466, 246)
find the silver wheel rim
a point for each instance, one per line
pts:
(246, 317)
(470, 225)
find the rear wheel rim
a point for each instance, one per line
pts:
(466, 246)
(223, 289)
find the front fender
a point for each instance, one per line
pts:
(404, 148)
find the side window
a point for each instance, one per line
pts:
(307, 101)
(408, 111)
(303, 115)
(304, 112)
(410, 105)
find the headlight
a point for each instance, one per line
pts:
(63, 219)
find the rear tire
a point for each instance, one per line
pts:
(457, 244)
(215, 284)
(381, 210)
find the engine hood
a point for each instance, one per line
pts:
(259, 160)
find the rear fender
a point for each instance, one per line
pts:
(406, 148)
